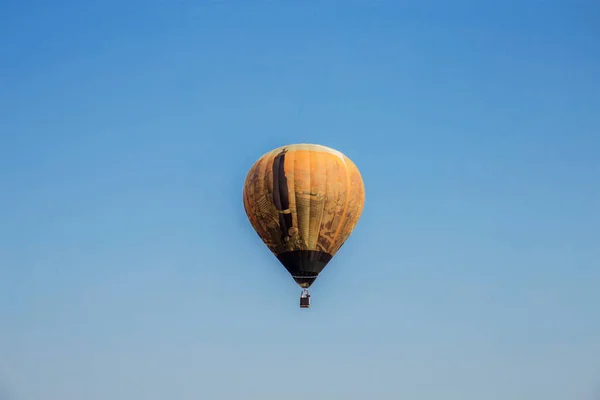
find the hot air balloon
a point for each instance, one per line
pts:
(303, 201)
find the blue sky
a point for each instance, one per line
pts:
(129, 270)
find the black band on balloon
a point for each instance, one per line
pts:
(304, 265)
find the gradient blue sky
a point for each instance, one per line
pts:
(129, 270)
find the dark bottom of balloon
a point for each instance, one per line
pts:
(304, 265)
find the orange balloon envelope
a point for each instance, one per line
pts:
(304, 200)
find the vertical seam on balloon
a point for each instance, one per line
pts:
(292, 184)
(343, 218)
(352, 218)
(330, 238)
(305, 240)
(262, 177)
(283, 195)
(317, 155)
(311, 222)
(304, 216)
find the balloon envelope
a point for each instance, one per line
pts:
(304, 200)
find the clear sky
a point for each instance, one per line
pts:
(128, 269)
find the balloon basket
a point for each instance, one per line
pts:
(305, 299)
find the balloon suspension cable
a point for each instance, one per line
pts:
(305, 299)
